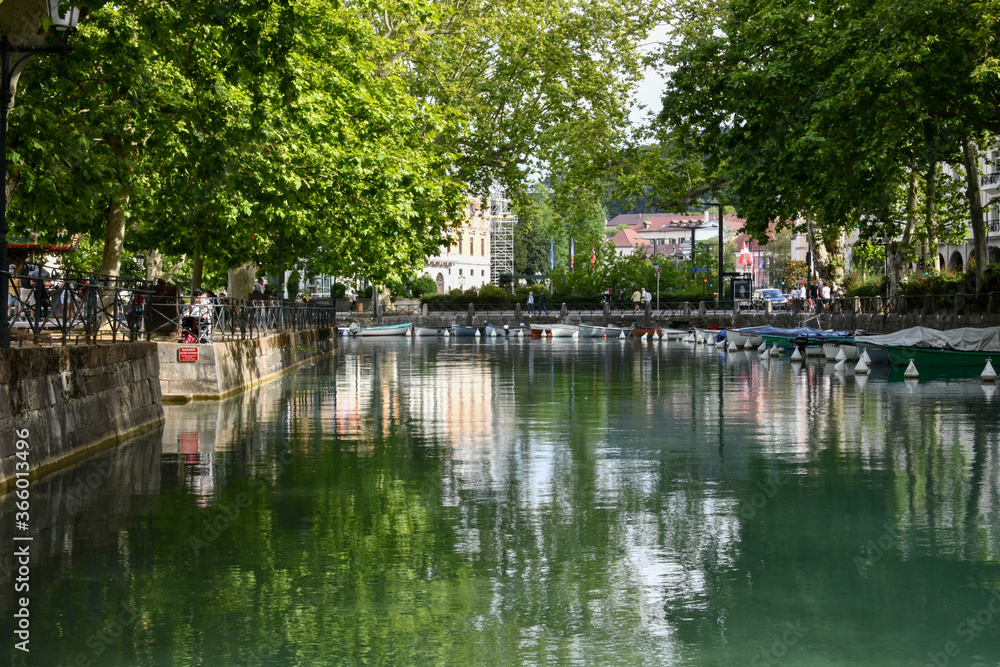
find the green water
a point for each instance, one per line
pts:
(533, 503)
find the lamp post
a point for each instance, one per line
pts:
(719, 300)
(64, 18)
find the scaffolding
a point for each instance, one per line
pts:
(502, 223)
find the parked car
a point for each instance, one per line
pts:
(761, 297)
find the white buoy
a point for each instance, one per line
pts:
(622, 336)
(576, 334)
(520, 333)
(865, 357)
(861, 368)
(720, 344)
(689, 338)
(762, 347)
(841, 355)
(477, 334)
(643, 337)
(446, 334)
(796, 355)
(988, 374)
(407, 332)
(775, 351)
(911, 370)
(732, 347)
(748, 345)
(840, 365)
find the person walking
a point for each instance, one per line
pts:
(541, 302)
(531, 303)
(636, 300)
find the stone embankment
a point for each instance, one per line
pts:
(224, 368)
(74, 401)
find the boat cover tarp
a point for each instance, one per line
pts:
(966, 339)
(793, 333)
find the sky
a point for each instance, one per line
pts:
(651, 88)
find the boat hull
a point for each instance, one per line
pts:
(462, 331)
(928, 357)
(430, 331)
(591, 331)
(564, 331)
(831, 350)
(391, 330)
(653, 332)
(740, 339)
(877, 353)
(540, 330)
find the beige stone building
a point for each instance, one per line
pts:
(465, 263)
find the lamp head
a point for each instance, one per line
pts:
(65, 14)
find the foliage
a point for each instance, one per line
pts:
(422, 285)
(292, 284)
(794, 271)
(338, 290)
(934, 282)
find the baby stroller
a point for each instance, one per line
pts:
(195, 330)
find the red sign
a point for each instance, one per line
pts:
(187, 354)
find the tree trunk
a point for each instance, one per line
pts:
(931, 246)
(197, 263)
(154, 264)
(899, 267)
(114, 236)
(241, 281)
(972, 192)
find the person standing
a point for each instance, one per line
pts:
(531, 303)
(258, 288)
(636, 300)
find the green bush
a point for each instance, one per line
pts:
(338, 290)
(872, 285)
(422, 285)
(946, 282)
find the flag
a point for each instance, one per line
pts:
(552, 255)
(572, 253)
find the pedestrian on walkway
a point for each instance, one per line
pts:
(531, 303)
(636, 300)
(541, 302)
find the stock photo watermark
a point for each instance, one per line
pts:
(772, 655)
(969, 629)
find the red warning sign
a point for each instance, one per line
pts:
(187, 354)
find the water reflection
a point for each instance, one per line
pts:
(522, 502)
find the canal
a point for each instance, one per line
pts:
(518, 502)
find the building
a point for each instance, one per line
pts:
(669, 234)
(466, 263)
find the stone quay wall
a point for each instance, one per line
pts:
(227, 367)
(74, 401)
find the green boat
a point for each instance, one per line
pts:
(929, 357)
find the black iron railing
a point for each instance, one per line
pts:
(89, 308)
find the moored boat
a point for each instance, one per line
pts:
(430, 331)
(672, 334)
(831, 350)
(742, 336)
(539, 330)
(967, 347)
(593, 331)
(785, 338)
(650, 332)
(388, 330)
(564, 331)
(462, 331)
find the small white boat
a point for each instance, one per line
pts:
(564, 331)
(592, 331)
(706, 335)
(430, 331)
(388, 330)
(740, 338)
(541, 330)
(831, 350)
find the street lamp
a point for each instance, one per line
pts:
(64, 16)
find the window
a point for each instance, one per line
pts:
(460, 272)
(482, 247)
(483, 273)
(472, 246)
